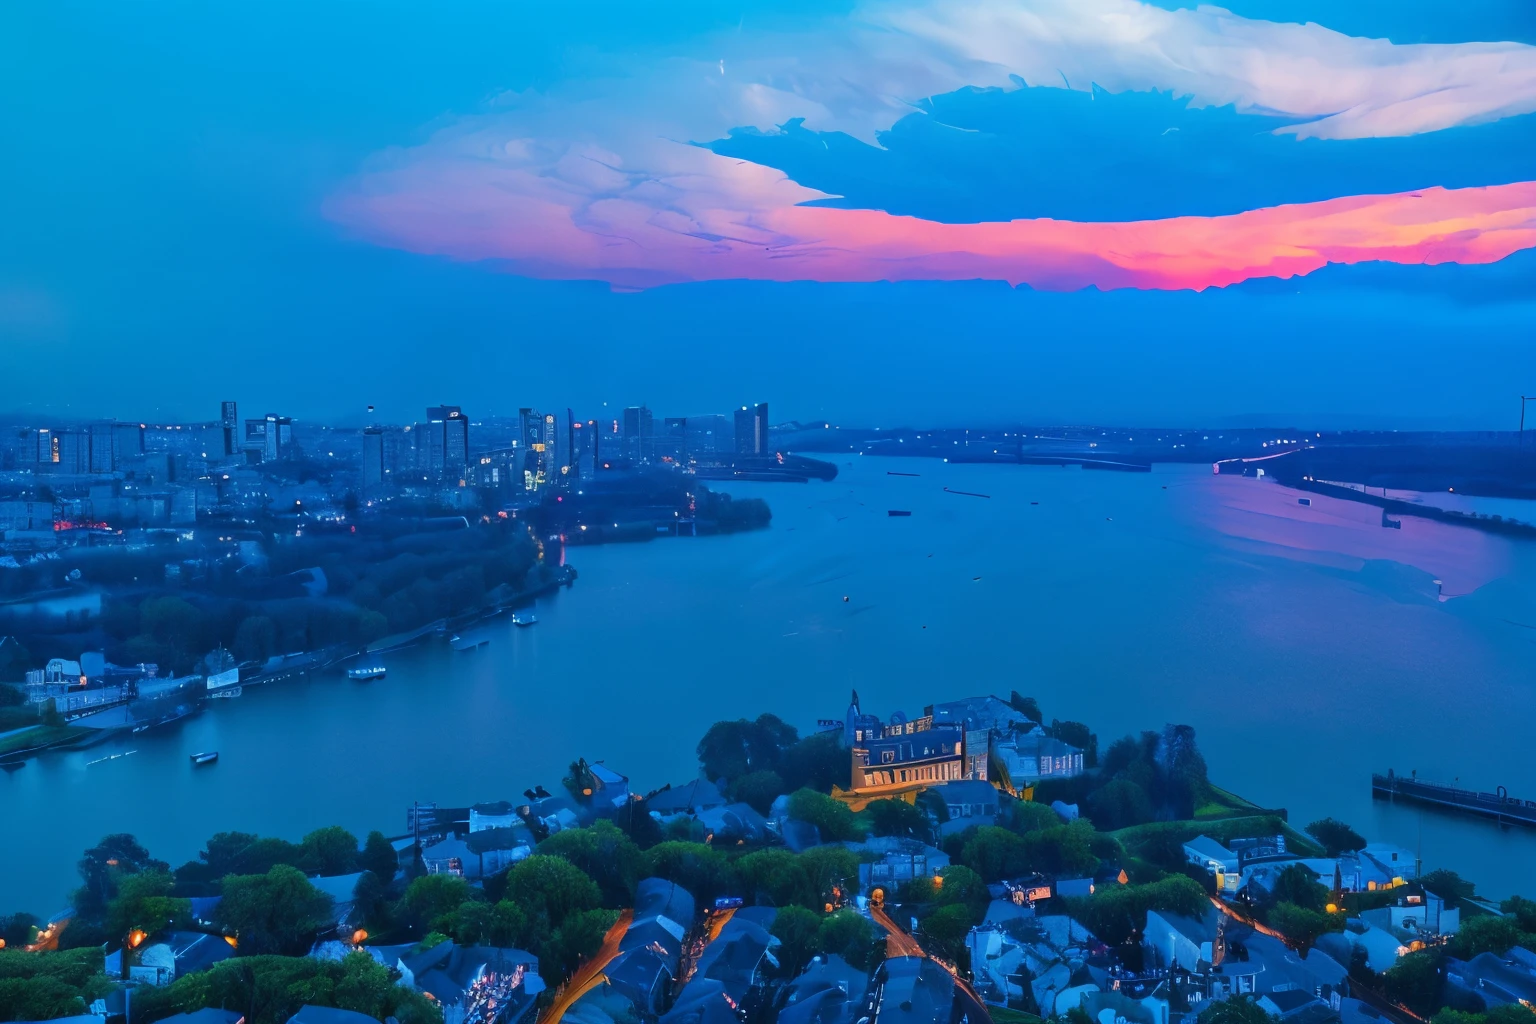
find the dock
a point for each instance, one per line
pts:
(1498, 805)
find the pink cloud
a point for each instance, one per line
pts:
(706, 217)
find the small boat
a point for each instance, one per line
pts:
(12, 766)
(206, 757)
(461, 643)
(362, 675)
(898, 512)
(524, 618)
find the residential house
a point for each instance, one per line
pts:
(207, 1015)
(735, 962)
(611, 789)
(1205, 852)
(915, 990)
(984, 719)
(1032, 756)
(477, 855)
(342, 889)
(650, 953)
(900, 860)
(1298, 1006)
(464, 980)
(1393, 864)
(500, 814)
(329, 1015)
(969, 802)
(732, 823)
(1496, 980)
(690, 798)
(828, 991)
(176, 954)
(901, 754)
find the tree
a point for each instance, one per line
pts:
(996, 853)
(1181, 771)
(1487, 934)
(271, 989)
(850, 935)
(330, 851)
(959, 885)
(774, 878)
(104, 864)
(732, 749)
(1335, 837)
(894, 817)
(18, 930)
(758, 790)
(1026, 706)
(1302, 925)
(1448, 885)
(1076, 734)
(502, 924)
(1415, 981)
(832, 818)
(430, 900)
(553, 887)
(578, 937)
(1119, 804)
(1236, 1010)
(605, 854)
(797, 930)
(144, 903)
(1024, 816)
(278, 912)
(1523, 910)
(831, 869)
(1118, 913)
(1065, 851)
(944, 931)
(702, 870)
(379, 857)
(1296, 884)
(45, 986)
(255, 639)
(817, 762)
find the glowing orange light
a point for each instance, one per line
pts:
(136, 938)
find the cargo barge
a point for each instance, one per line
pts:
(1498, 805)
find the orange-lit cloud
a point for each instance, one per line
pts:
(717, 219)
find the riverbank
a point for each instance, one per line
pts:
(1116, 595)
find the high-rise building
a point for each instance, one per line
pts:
(752, 429)
(707, 436)
(447, 442)
(71, 451)
(538, 439)
(277, 440)
(548, 458)
(103, 459)
(374, 468)
(638, 427)
(127, 442)
(229, 419)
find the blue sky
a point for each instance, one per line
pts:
(168, 241)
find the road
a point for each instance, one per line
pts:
(897, 942)
(590, 973)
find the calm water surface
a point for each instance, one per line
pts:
(1308, 646)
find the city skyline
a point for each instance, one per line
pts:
(235, 240)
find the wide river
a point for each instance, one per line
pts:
(1307, 645)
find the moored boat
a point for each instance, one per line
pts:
(524, 618)
(366, 673)
(206, 757)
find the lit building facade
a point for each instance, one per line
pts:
(902, 754)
